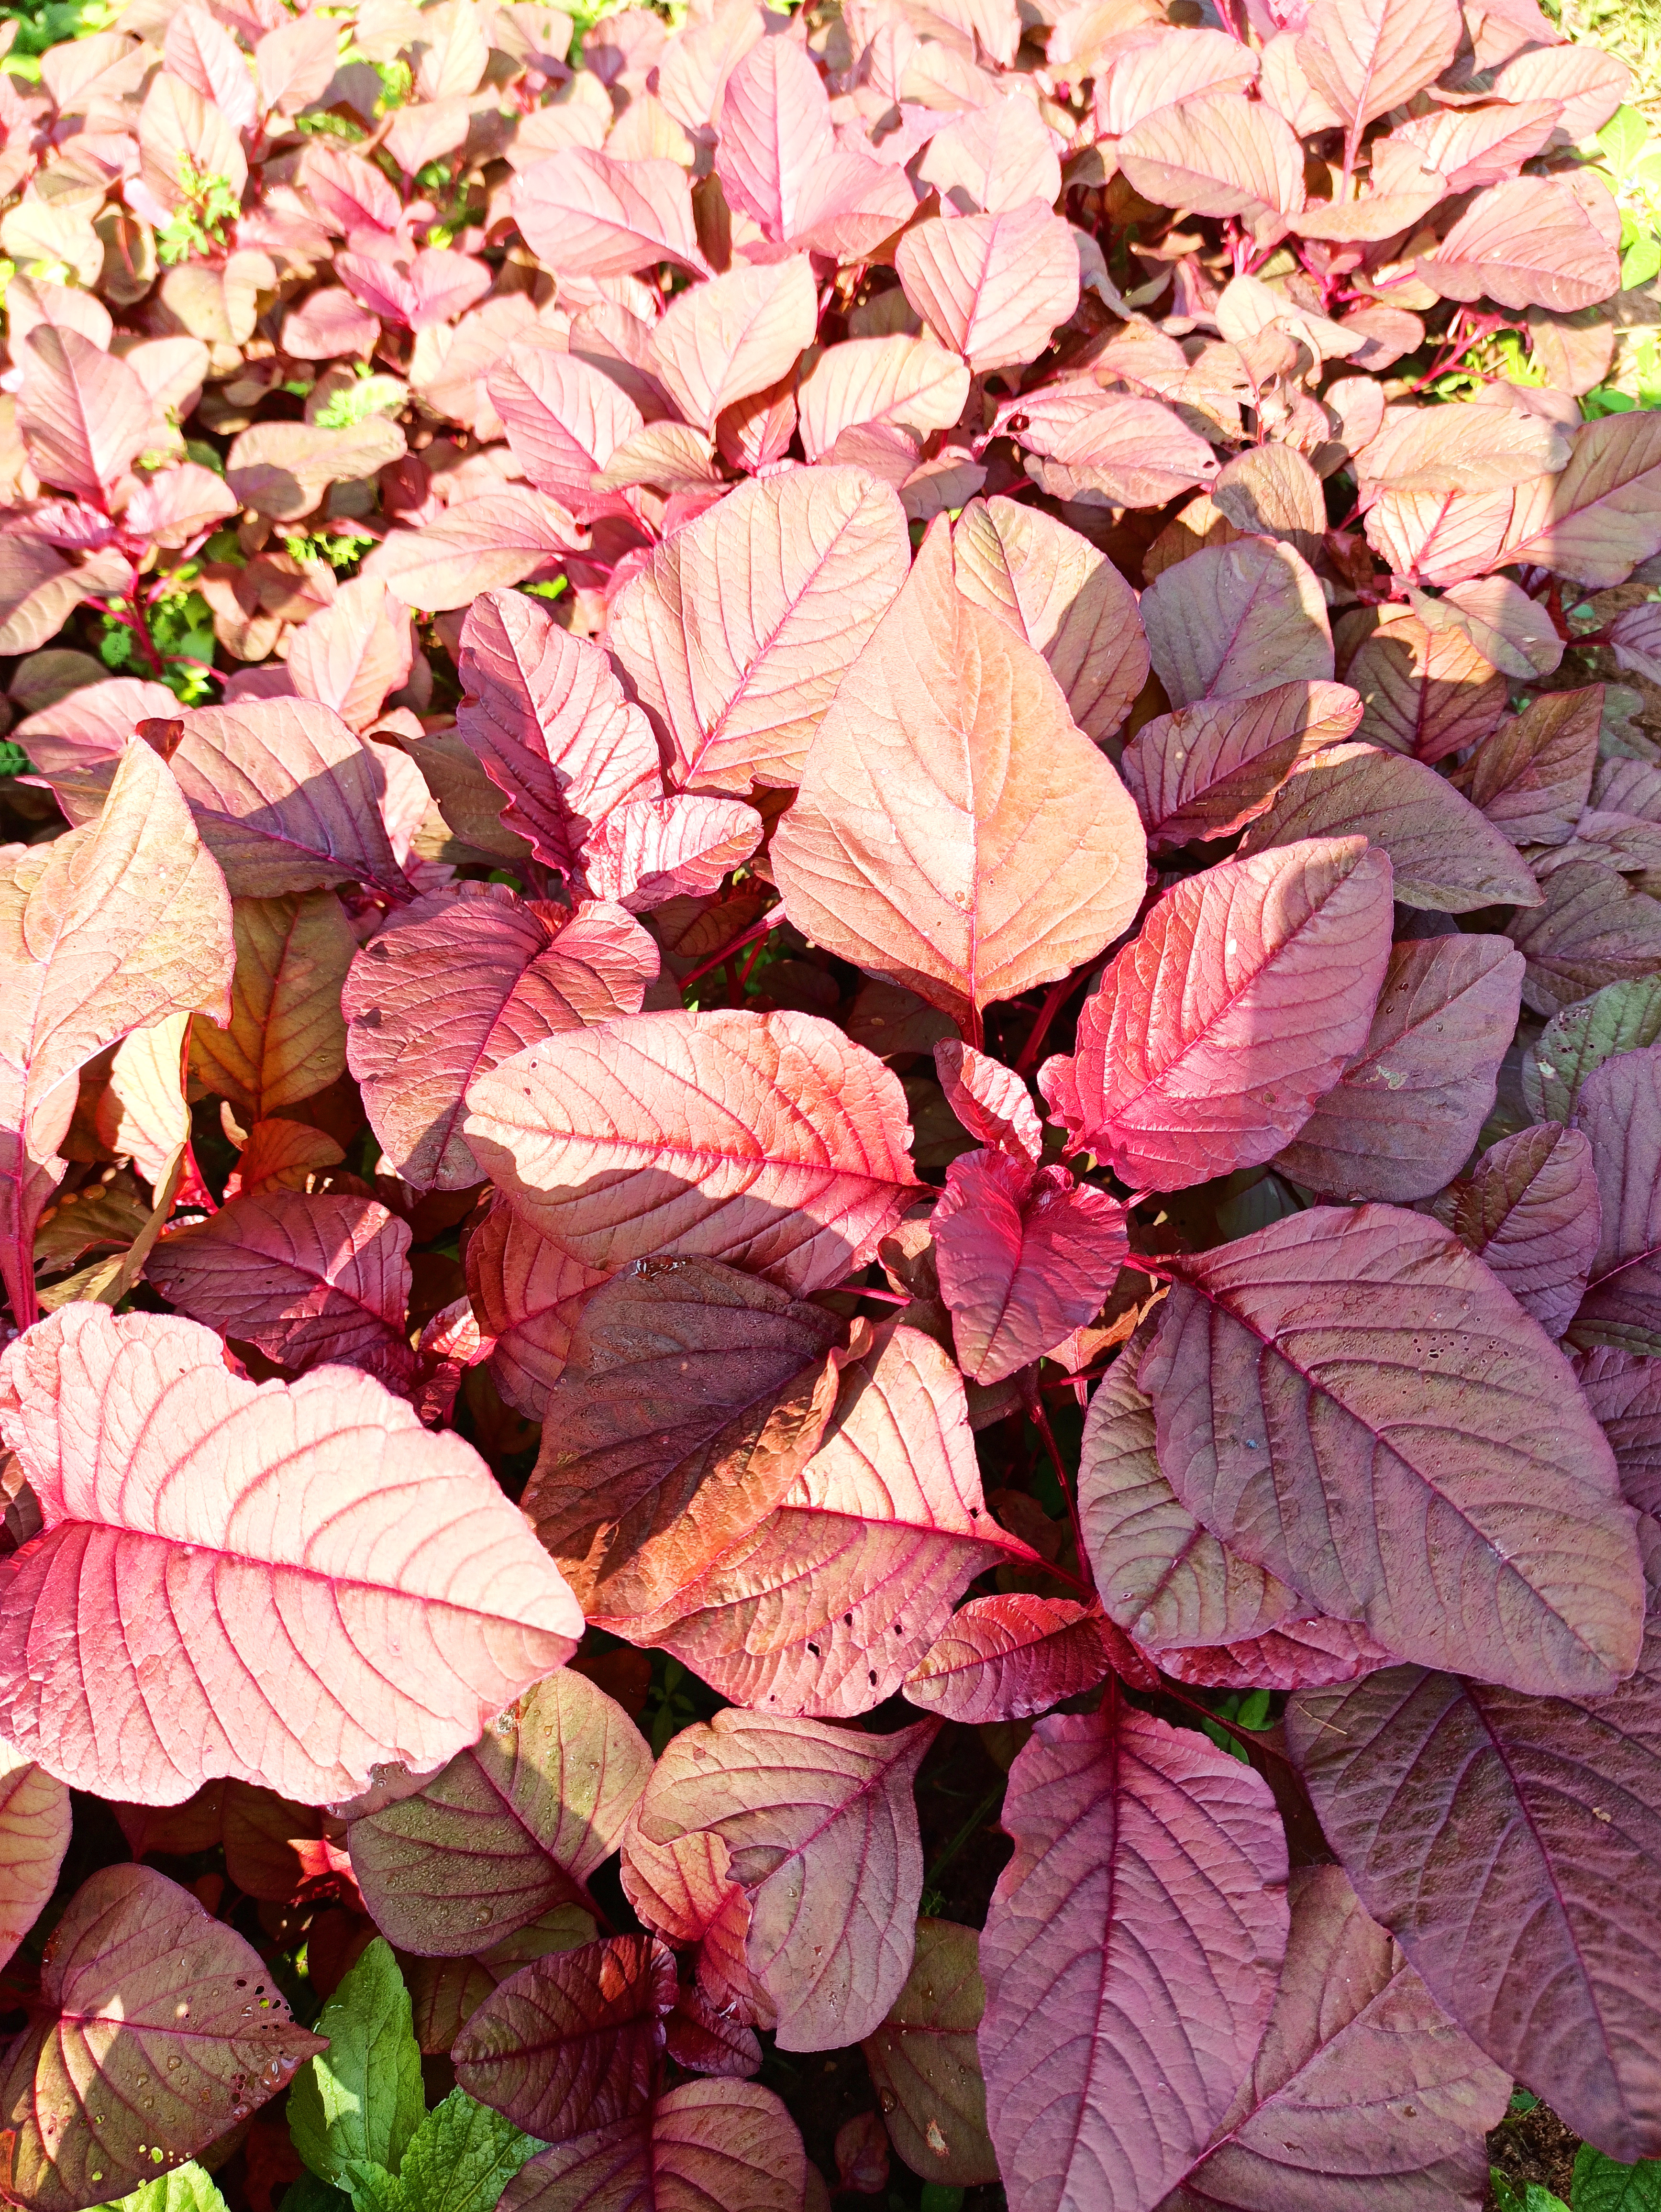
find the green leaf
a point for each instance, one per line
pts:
(1601, 2185)
(360, 2101)
(187, 2189)
(355, 403)
(1533, 2199)
(1620, 1017)
(938, 2196)
(1641, 261)
(463, 2157)
(309, 2194)
(1623, 138)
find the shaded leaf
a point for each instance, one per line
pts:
(925, 2066)
(1232, 620)
(1533, 776)
(34, 1833)
(1620, 1111)
(729, 2145)
(1211, 767)
(285, 1040)
(1531, 1211)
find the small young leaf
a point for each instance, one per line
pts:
(362, 2099)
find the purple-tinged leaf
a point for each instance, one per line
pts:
(822, 1826)
(571, 2042)
(457, 983)
(1319, 1448)
(1620, 1111)
(1208, 770)
(992, 286)
(1130, 1955)
(1234, 620)
(1531, 1210)
(1425, 693)
(510, 1829)
(1419, 1778)
(1213, 1034)
(1295, 1655)
(1600, 518)
(1007, 1658)
(1623, 1388)
(730, 2145)
(1363, 2093)
(1401, 1119)
(1595, 929)
(1526, 243)
(1532, 777)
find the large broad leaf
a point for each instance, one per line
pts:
(1213, 1034)
(776, 135)
(704, 2146)
(1006, 1658)
(822, 1826)
(1232, 620)
(1594, 930)
(512, 1827)
(571, 2042)
(305, 1278)
(994, 158)
(1620, 1111)
(34, 1833)
(767, 1140)
(1528, 243)
(992, 286)
(1401, 1119)
(461, 981)
(1598, 520)
(286, 1037)
(1427, 449)
(112, 926)
(1362, 2094)
(736, 335)
(898, 382)
(549, 719)
(1300, 1417)
(1208, 770)
(826, 1605)
(476, 545)
(1297, 1654)
(162, 2029)
(739, 630)
(1533, 776)
(1445, 854)
(1062, 595)
(692, 1396)
(287, 797)
(1025, 1256)
(380, 1606)
(1130, 1955)
(584, 213)
(1368, 57)
(351, 654)
(1419, 1777)
(955, 831)
(1218, 154)
(1162, 1577)
(924, 2064)
(1531, 1211)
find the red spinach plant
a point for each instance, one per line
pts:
(828, 1012)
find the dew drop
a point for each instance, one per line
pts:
(481, 1917)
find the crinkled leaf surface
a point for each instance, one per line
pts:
(730, 2145)
(1620, 1111)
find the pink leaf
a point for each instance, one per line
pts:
(992, 1102)
(1025, 1256)
(1590, 85)
(476, 546)
(154, 2092)
(993, 159)
(583, 214)
(722, 341)
(1598, 520)
(1528, 243)
(1326, 1466)
(737, 632)
(776, 137)
(571, 2042)
(1531, 1211)
(199, 50)
(564, 420)
(604, 1141)
(1401, 1119)
(1006, 1658)
(1013, 852)
(1213, 1034)
(1208, 770)
(1219, 154)
(648, 851)
(992, 286)
(1130, 1955)
(1232, 620)
(352, 653)
(896, 383)
(83, 414)
(1366, 56)
(92, 723)
(1144, 78)
(1532, 776)
(1294, 1655)
(822, 1826)
(460, 981)
(1164, 1579)
(425, 1601)
(35, 1834)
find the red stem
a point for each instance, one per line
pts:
(1041, 1420)
(769, 920)
(1054, 999)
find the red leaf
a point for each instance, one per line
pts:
(1232, 620)
(308, 1280)
(163, 1545)
(1012, 851)
(1130, 1952)
(822, 1826)
(1316, 1447)
(152, 2092)
(704, 2144)
(725, 340)
(602, 1139)
(526, 1291)
(83, 414)
(1295, 1655)
(1024, 1254)
(457, 983)
(1619, 1110)
(564, 420)
(1213, 1034)
(1366, 56)
(571, 2042)
(1218, 154)
(1531, 1211)
(1209, 769)
(1401, 1119)
(1005, 1658)
(992, 1102)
